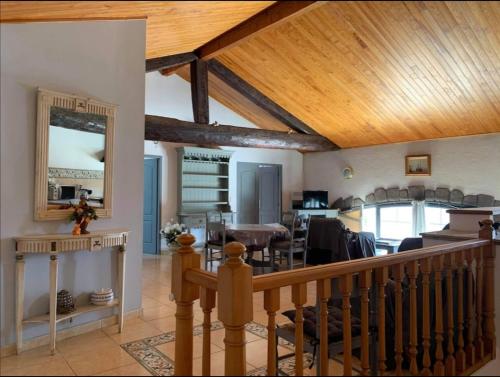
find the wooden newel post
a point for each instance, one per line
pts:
(235, 310)
(486, 232)
(184, 294)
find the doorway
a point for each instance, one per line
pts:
(152, 205)
(259, 193)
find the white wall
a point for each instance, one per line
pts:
(171, 96)
(470, 164)
(105, 60)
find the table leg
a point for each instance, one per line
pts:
(19, 302)
(121, 285)
(53, 302)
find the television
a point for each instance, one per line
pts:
(315, 199)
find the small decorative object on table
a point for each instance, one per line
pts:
(171, 231)
(65, 302)
(104, 296)
(82, 215)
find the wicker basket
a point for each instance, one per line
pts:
(65, 302)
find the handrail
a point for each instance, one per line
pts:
(202, 278)
(304, 275)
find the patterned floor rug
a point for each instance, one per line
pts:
(158, 364)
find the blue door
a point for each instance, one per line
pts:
(151, 227)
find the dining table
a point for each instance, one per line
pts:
(256, 237)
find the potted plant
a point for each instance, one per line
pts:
(170, 233)
(82, 215)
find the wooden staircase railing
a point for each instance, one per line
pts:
(466, 344)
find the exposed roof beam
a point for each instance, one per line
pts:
(235, 82)
(199, 91)
(177, 131)
(275, 14)
(157, 64)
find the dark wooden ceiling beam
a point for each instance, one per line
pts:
(237, 83)
(199, 91)
(171, 61)
(177, 131)
(274, 15)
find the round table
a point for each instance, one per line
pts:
(256, 237)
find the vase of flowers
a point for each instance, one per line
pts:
(171, 231)
(82, 215)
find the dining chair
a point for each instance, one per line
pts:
(215, 239)
(297, 243)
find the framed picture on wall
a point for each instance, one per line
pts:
(418, 165)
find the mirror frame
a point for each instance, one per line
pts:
(46, 99)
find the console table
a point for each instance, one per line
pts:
(53, 245)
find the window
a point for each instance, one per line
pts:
(396, 222)
(369, 219)
(436, 218)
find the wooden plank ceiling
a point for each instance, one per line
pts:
(359, 73)
(173, 27)
(367, 73)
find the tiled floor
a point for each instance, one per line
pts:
(99, 352)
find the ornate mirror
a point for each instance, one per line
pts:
(74, 154)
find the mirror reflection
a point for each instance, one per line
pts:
(76, 158)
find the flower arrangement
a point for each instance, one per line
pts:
(171, 231)
(82, 215)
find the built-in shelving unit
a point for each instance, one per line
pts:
(203, 182)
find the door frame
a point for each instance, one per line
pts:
(280, 185)
(159, 165)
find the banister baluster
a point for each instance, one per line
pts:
(438, 263)
(398, 275)
(486, 232)
(324, 291)
(185, 293)
(299, 298)
(235, 309)
(207, 303)
(413, 274)
(426, 268)
(381, 277)
(479, 305)
(272, 305)
(346, 290)
(460, 355)
(450, 358)
(470, 350)
(365, 285)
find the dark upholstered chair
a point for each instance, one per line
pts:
(411, 243)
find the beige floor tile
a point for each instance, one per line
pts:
(157, 312)
(84, 343)
(50, 367)
(27, 359)
(132, 332)
(148, 302)
(167, 324)
(99, 360)
(127, 370)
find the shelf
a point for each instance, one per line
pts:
(205, 188)
(206, 175)
(203, 203)
(45, 318)
(207, 162)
